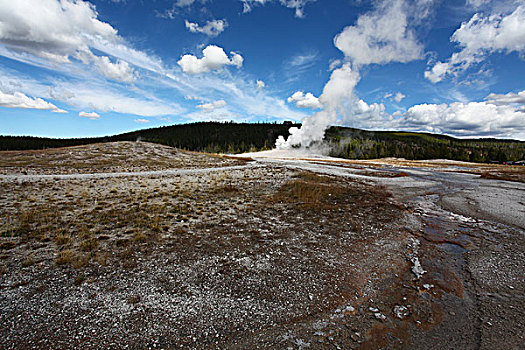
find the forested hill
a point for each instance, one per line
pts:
(360, 144)
(345, 142)
(202, 136)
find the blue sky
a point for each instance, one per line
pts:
(90, 68)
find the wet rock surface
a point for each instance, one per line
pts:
(261, 255)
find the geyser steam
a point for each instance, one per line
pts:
(379, 37)
(338, 90)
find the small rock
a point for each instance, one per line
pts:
(380, 316)
(400, 311)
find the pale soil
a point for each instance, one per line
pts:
(110, 157)
(195, 251)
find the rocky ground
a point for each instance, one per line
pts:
(168, 249)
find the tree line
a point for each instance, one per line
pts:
(359, 144)
(349, 143)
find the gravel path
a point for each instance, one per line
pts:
(167, 172)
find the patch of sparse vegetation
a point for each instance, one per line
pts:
(311, 191)
(28, 261)
(72, 258)
(7, 245)
(516, 174)
(79, 279)
(133, 299)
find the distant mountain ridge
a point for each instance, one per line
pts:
(343, 142)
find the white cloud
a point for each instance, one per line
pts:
(107, 100)
(507, 99)
(303, 100)
(243, 99)
(305, 59)
(481, 36)
(334, 64)
(222, 114)
(211, 28)
(248, 4)
(260, 84)
(478, 3)
(183, 3)
(91, 95)
(214, 58)
(142, 121)
(20, 100)
(466, 119)
(208, 107)
(298, 5)
(119, 71)
(381, 36)
(51, 29)
(399, 97)
(438, 72)
(57, 31)
(91, 115)
(298, 65)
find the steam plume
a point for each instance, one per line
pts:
(338, 90)
(379, 37)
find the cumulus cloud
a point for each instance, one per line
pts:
(507, 99)
(90, 115)
(214, 58)
(211, 28)
(141, 121)
(57, 31)
(381, 36)
(51, 29)
(466, 119)
(303, 100)
(20, 100)
(298, 5)
(208, 107)
(260, 84)
(481, 36)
